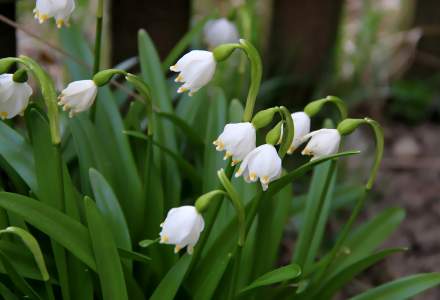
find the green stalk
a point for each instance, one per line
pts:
(98, 46)
(98, 37)
(347, 127)
(256, 75)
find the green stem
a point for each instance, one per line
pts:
(98, 37)
(314, 107)
(256, 75)
(235, 271)
(224, 51)
(379, 137)
(237, 203)
(98, 46)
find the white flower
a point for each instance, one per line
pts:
(263, 162)
(220, 31)
(14, 96)
(182, 227)
(78, 96)
(238, 139)
(301, 122)
(323, 142)
(196, 69)
(58, 9)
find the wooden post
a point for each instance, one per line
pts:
(8, 45)
(165, 21)
(302, 37)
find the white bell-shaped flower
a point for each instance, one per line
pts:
(58, 9)
(263, 162)
(14, 96)
(196, 69)
(237, 139)
(301, 122)
(322, 142)
(220, 31)
(78, 96)
(182, 227)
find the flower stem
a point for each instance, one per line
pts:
(256, 75)
(379, 137)
(98, 37)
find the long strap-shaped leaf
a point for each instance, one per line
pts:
(66, 231)
(401, 289)
(108, 263)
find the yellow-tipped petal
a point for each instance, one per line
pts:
(227, 155)
(252, 176)
(234, 162)
(182, 90)
(173, 68)
(291, 150)
(265, 179)
(164, 239)
(190, 249)
(60, 23)
(179, 78)
(177, 249)
(3, 115)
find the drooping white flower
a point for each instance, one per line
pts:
(196, 69)
(58, 9)
(220, 31)
(14, 96)
(238, 139)
(182, 227)
(263, 162)
(301, 123)
(78, 96)
(323, 142)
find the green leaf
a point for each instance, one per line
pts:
(236, 111)
(49, 172)
(6, 293)
(191, 134)
(170, 284)
(279, 275)
(217, 256)
(216, 121)
(368, 237)
(110, 209)
(17, 280)
(401, 289)
(315, 215)
(124, 178)
(334, 284)
(32, 244)
(61, 228)
(108, 263)
(148, 243)
(18, 153)
(164, 131)
(133, 256)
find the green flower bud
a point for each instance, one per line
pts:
(20, 76)
(104, 77)
(347, 126)
(202, 203)
(274, 135)
(314, 107)
(6, 64)
(264, 117)
(222, 52)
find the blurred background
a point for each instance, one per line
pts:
(381, 56)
